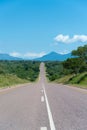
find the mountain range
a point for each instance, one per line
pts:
(8, 57)
(53, 56)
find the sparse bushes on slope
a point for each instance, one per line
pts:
(26, 70)
(75, 65)
(54, 70)
(10, 80)
(75, 68)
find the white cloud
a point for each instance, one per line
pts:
(64, 52)
(27, 55)
(61, 38)
(34, 55)
(67, 39)
(15, 54)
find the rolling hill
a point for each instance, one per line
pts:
(53, 56)
(8, 57)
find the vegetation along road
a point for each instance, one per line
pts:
(43, 106)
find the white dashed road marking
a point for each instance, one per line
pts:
(42, 99)
(43, 128)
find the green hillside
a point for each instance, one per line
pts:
(16, 72)
(72, 71)
(10, 80)
(80, 80)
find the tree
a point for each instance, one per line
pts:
(74, 65)
(81, 52)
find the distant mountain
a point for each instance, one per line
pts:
(53, 56)
(8, 57)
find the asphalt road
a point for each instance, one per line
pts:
(43, 106)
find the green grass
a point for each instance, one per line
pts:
(79, 80)
(84, 81)
(10, 80)
(63, 79)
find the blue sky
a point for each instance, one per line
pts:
(32, 28)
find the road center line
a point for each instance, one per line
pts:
(42, 99)
(52, 126)
(43, 128)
